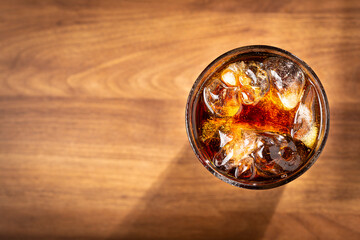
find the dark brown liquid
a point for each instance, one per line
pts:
(267, 116)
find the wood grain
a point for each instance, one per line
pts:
(92, 135)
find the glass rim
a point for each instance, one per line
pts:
(256, 49)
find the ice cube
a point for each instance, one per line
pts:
(245, 168)
(287, 78)
(221, 99)
(236, 154)
(230, 75)
(224, 138)
(276, 154)
(223, 159)
(304, 128)
(254, 82)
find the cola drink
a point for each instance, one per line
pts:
(258, 119)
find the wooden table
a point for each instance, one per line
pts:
(92, 133)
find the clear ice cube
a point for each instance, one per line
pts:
(245, 168)
(230, 75)
(221, 99)
(304, 128)
(254, 82)
(224, 138)
(235, 154)
(223, 159)
(276, 154)
(287, 78)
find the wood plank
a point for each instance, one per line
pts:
(92, 133)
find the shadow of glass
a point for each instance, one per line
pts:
(187, 202)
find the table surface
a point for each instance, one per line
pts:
(92, 133)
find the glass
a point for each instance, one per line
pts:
(243, 53)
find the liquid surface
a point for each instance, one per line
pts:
(257, 119)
